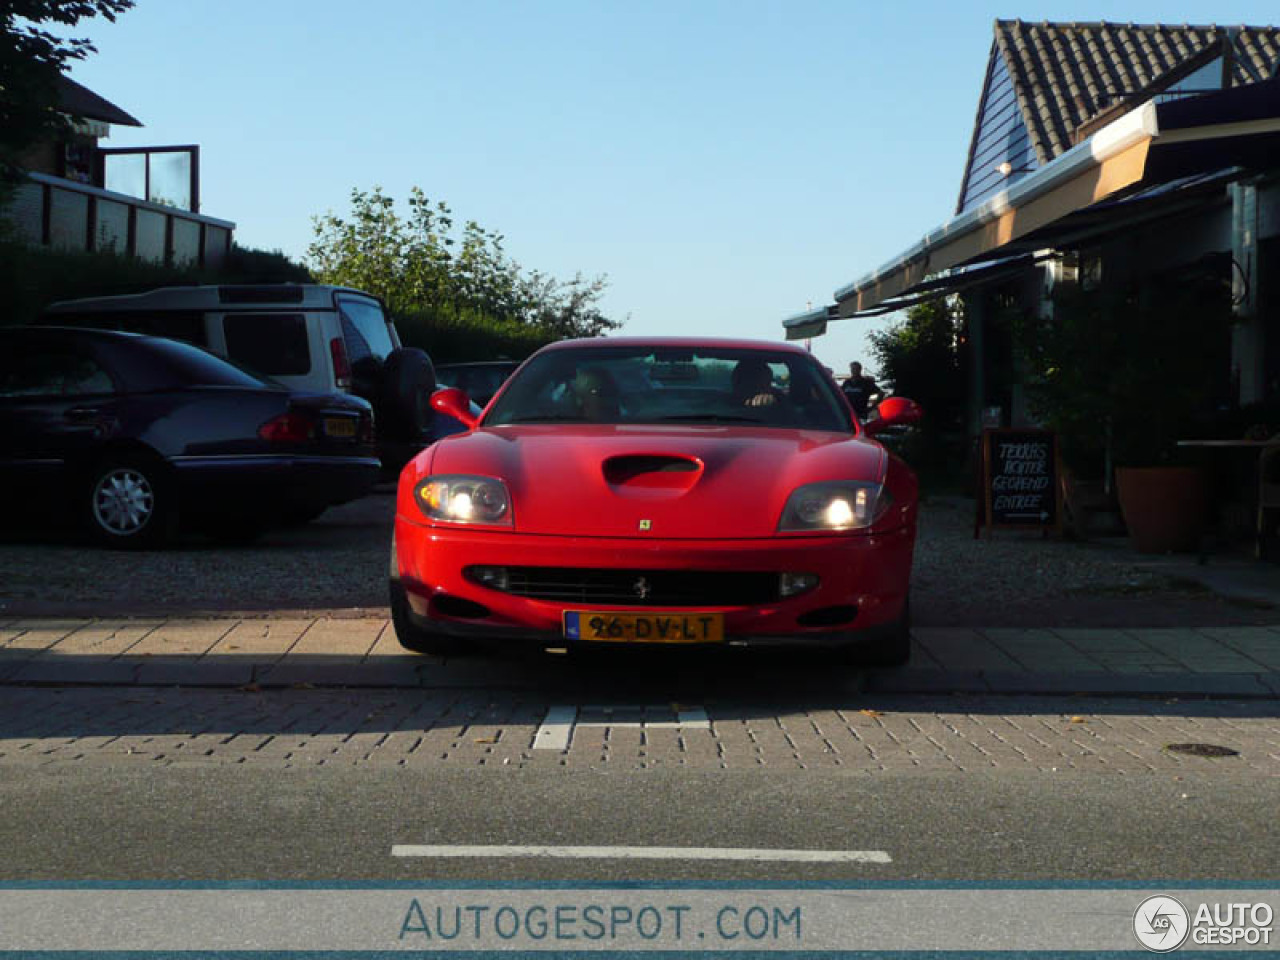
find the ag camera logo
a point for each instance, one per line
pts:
(1161, 924)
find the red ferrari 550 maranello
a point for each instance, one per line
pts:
(658, 491)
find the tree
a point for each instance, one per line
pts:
(421, 264)
(31, 60)
(920, 358)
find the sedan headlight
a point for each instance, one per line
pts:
(462, 499)
(834, 506)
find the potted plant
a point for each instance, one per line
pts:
(1123, 372)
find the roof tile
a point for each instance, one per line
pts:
(1067, 74)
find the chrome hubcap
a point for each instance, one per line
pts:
(123, 501)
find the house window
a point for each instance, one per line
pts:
(365, 327)
(165, 175)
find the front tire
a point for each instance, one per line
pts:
(411, 636)
(129, 504)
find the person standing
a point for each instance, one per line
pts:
(859, 389)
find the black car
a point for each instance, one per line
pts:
(131, 434)
(479, 381)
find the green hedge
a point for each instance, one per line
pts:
(451, 335)
(31, 278)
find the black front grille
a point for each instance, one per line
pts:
(641, 588)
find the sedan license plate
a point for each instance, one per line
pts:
(339, 427)
(607, 627)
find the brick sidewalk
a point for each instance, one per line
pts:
(502, 730)
(285, 652)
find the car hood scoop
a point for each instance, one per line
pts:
(651, 476)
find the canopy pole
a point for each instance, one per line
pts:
(975, 310)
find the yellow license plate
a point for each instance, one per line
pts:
(339, 427)
(607, 627)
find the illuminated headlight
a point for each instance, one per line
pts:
(460, 499)
(834, 506)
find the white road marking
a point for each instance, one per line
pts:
(689, 718)
(556, 728)
(642, 853)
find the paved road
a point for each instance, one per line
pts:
(171, 784)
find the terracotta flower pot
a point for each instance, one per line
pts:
(1163, 507)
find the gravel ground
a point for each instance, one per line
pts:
(1017, 579)
(338, 564)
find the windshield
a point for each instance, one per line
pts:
(477, 381)
(634, 385)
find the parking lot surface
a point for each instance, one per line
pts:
(337, 566)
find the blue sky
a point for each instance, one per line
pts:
(724, 163)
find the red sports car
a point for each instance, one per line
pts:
(658, 491)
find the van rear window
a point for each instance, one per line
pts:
(364, 326)
(270, 343)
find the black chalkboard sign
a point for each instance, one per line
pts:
(1020, 485)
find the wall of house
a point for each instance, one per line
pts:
(217, 244)
(1001, 136)
(68, 220)
(40, 157)
(26, 212)
(113, 226)
(149, 235)
(186, 241)
(66, 215)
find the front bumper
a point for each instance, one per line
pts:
(868, 573)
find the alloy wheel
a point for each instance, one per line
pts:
(123, 501)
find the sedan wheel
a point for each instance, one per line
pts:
(129, 505)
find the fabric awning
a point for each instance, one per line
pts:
(814, 322)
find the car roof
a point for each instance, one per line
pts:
(686, 343)
(224, 297)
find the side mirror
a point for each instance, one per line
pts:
(454, 402)
(894, 412)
